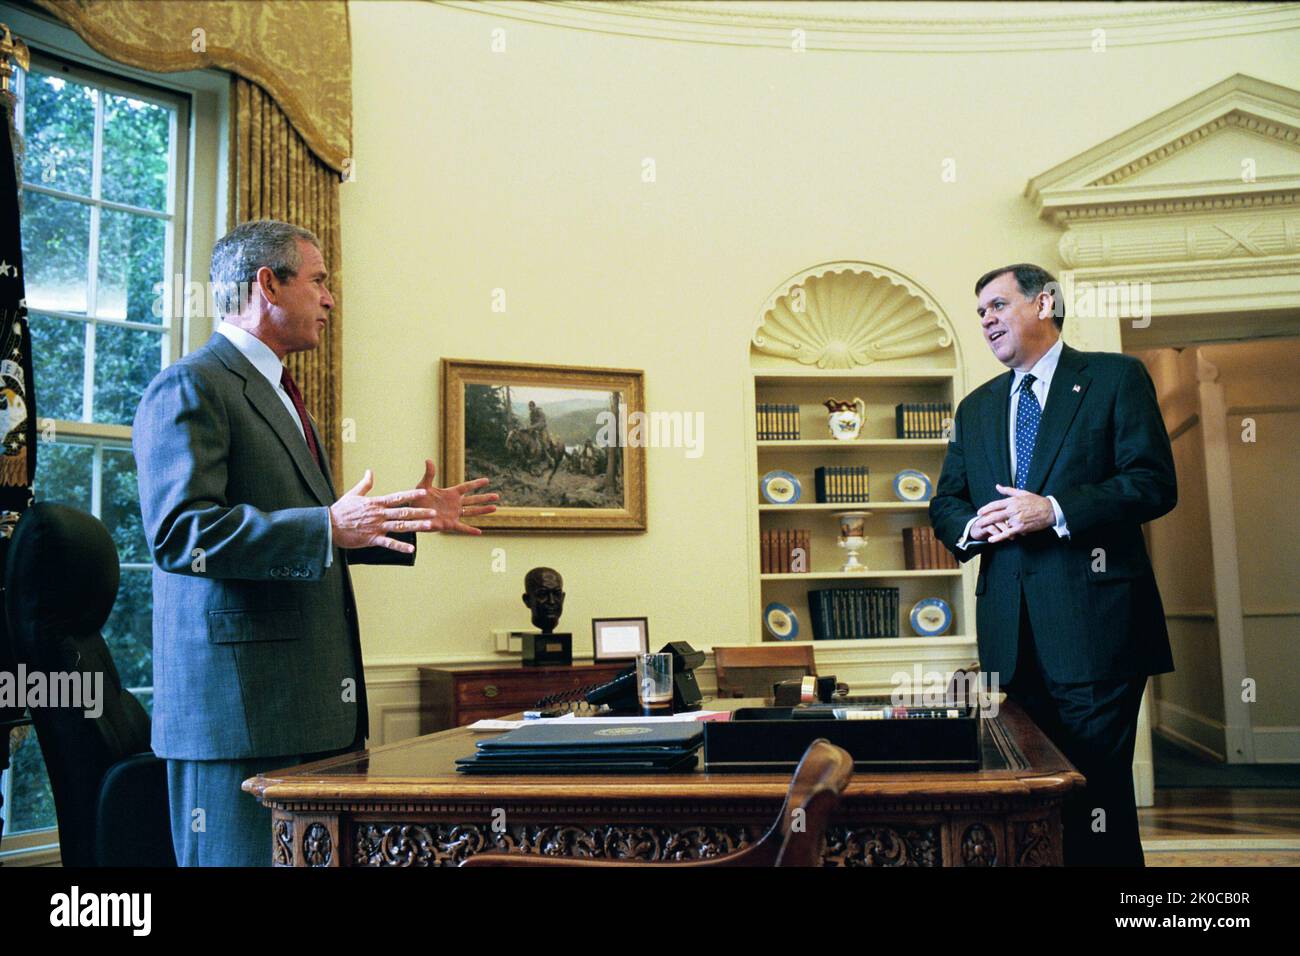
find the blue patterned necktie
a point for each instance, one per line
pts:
(1028, 414)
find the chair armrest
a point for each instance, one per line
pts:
(132, 815)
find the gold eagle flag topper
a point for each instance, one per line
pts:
(12, 51)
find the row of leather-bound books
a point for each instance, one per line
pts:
(842, 484)
(922, 551)
(922, 419)
(785, 551)
(846, 613)
(777, 421)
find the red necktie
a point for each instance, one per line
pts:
(287, 383)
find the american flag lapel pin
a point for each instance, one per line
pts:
(1077, 388)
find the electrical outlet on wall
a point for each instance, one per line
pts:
(507, 641)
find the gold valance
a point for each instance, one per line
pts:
(299, 51)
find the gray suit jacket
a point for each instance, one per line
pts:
(256, 650)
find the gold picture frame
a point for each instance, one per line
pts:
(536, 431)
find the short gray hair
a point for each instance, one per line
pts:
(248, 247)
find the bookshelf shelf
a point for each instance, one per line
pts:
(862, 444)
(898, 643)
(898, 376)
(871, 575)
(847, 331)
(917, 506)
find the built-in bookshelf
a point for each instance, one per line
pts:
(883, 340)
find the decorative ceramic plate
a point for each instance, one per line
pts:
(781, 488)
(780, 622)
(931, 617)
(910, 485)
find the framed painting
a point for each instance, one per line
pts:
(552, 438)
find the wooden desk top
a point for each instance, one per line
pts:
(1019, 762)
(520, 667)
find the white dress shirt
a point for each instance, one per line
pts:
(271, 368)
(1042, 371)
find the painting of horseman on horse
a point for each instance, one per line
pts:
(540, 446)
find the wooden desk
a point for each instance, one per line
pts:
(403, 804)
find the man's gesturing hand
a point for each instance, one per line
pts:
(361, 522)
(454, 503)
(1020, 513)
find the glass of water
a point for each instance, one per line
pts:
(654, 683)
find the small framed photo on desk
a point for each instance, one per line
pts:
(619, 638)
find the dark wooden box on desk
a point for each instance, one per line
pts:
(459, 694)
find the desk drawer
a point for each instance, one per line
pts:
(520, 690)
(468, 716)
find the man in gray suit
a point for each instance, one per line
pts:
(257, 653)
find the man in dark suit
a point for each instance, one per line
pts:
(1050, 473)
(257, 653)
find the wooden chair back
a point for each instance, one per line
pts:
(794, 839)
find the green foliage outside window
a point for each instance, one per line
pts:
(130, 252)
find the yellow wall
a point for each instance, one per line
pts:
(522, 170)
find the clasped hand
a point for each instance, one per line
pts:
(1021, 512)
(362, 522)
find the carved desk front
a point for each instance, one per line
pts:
(403, 804)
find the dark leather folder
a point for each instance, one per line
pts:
(588, 748)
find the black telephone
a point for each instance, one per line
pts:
(620, 693)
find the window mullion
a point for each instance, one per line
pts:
(88, 376)
(92, 259)
(20, 100)
(97, 480)
(7, 782)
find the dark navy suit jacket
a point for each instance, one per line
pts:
(1103, 452)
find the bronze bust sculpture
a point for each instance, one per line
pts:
(544, 596)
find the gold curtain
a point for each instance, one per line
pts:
(299, 51)
(291, 125)
(275, 175)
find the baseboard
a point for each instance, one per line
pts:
(1276, 744)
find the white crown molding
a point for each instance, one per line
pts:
(912, 27)
(1228, 234)
(1199, 243)
(1094, 182)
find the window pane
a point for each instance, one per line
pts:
(59, 357)
(128, 631)
(56, 244)
(137, 148)
(31, 804)
(59, 123)
(131, 261)
(126, 360)
(120, 512)
(63, 473)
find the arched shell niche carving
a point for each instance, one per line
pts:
(849, 315)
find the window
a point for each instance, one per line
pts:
(103, 203)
